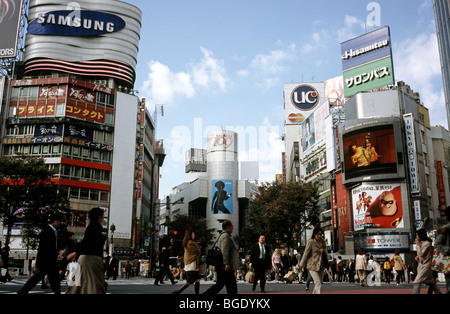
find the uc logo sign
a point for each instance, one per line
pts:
(305, 97)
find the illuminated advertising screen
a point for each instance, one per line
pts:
(10, 14)
(369, 151)
(377, 205)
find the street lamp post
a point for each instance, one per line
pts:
(112, 228)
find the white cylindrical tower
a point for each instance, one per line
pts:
(223, 173)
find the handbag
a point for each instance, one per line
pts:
(74, 276)
(440, 263)
(214, 256)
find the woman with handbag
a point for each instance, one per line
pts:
(361, 266)
(423, 258)
(315, 258)
(191, 262)
(399, 267)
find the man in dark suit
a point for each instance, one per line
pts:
(260, 261)
(46, 259)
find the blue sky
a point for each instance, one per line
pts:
(223, 64)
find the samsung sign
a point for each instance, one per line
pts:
(75, 23)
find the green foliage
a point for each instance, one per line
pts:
(277, 210)
(27, 194)
(180, 223)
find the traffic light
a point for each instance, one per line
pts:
(175, 233)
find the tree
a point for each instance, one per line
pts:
(180, 223)
(276, 210)
(27, 194)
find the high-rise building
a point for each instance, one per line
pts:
(72, 102)
(442, 19)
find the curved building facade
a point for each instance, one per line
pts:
(87, 38)
(223, 176)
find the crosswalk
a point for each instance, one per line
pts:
(11, 287)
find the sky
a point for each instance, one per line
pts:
(205, 65)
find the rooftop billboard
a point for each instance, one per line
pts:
(367, 62)
(300, 101)
(10, 14)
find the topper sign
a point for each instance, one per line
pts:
(305, 97)
(75, 23)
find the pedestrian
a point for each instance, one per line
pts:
(180, 267)
(4, 264)
(226, 273)
(191, 262)
(112, 267)
(70, 248)
(315, 258)
(361, 266)
(260, 261)
(340, 269)
(387, 270)
(277, 264)
(90, 257)
(128, 268)
(351, 270)
(424, 257)
(47, 258)
(332, 270)
(285, 262)
(398, 267)
(164, 267)
(442, 244)
(308, 279)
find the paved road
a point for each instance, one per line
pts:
(146, 286)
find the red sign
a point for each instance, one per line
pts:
(441, 186)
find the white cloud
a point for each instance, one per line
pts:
(347, 31)
(209, 71)
(162, 85)
(266, 67)
(417, 63)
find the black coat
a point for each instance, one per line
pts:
(47, 255)
(266, 262)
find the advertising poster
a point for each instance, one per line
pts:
(308, 133)
(10, 14)
(221, 197)
(377, 206)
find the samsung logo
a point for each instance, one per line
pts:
(75, 23)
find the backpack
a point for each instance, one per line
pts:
(387, 265)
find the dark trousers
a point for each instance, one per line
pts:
(163, 272)
(53, 278)
(224, 278)
(260, 274)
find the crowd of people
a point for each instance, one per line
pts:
(312, 264)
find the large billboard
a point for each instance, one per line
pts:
(377, 205)
(10, 14)
(221, 200)
(314, 128)
(372, 149)
(367, 62)
(83, 37)
(300, 101)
